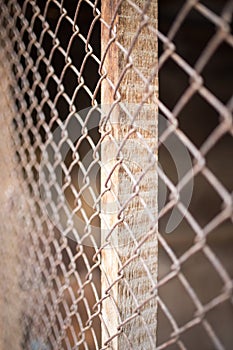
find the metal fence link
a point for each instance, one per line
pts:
(119, 233)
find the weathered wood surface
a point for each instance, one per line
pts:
(133, 284)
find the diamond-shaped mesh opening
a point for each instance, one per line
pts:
(181, 239)
(52, 15)
(173, 83)
(204, 30)
(177, 301)
(189, 338)
(224, 55)
(203, 278)
(205, 202)
(198, 119)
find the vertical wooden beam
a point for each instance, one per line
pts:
(129, 266)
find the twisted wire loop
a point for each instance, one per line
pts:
(116, 203)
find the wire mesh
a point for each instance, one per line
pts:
(92, 264)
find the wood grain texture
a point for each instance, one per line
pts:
(130, 319)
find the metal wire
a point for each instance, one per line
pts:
(57, 69)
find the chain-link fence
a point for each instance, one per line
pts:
(116, 195)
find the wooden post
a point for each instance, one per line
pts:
(129, 211)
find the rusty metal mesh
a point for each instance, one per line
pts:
(81, 285)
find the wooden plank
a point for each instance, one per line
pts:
(129, 267)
